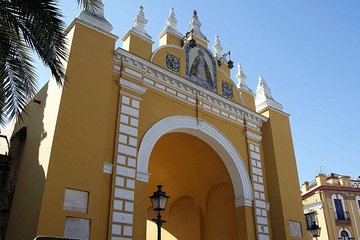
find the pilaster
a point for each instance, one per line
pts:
(124, 178)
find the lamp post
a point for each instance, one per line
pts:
(315, 230)
(158, 201)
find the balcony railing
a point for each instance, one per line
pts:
(342, 219)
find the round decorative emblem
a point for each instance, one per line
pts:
(172, 63)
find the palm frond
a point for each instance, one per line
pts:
(89, 4)
(18, 80)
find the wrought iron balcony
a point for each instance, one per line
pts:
(342, 219)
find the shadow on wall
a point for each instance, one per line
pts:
(27, 178)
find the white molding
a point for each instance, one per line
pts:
(108, 168)
(243, 202)
(132, 86)
(158, 74)
(77, 20)
(130, 95)
(131, 31)
(209, 134)
(346, 230)
(313, 207)
(164, 46)
(357, 203)
(142, 176)
(170, 30)
(253, 136)
(95, 21)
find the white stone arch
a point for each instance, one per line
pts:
(346, 230)
(213, 137)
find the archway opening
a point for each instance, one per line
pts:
(202, 195)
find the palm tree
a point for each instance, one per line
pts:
(28, 26)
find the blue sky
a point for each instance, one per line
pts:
(308, 52)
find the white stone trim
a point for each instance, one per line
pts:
(132, 86)
(131, 31)
(164, 46)
(203, 130)
(243, 202)
(338, 196)
(313, 207)
(253, 136)
(155, 73)
(142, 176)
(100, 23)
(108, 168)
(344, 229)
(132, 72)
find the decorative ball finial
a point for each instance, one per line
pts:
(218, 48)
(140, 21)
(171, 21)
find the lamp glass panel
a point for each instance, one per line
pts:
(155, 202)
(162, 202)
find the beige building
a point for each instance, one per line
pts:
(333, 202)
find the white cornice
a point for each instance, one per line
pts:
(77, 20)
(150, 70)
(313, 207)
(143, 177)
(132, 86)
(253, 136)
(133, 32)
(243, 202)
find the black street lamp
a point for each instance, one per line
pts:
(158, 201)
(315, 230)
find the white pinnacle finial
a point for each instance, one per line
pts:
(140, 21)
(195, 24)
(171, 20)
(217, 47)
(264, 97)
(241, 77)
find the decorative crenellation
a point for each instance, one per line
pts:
(125, 168)
(184, 90)
(261, 207)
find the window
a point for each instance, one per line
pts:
(339, 208)
(310, 218)
(340, 215)
(345, 234)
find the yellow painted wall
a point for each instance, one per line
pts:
(84, 135)
(136, 44)
(282, 177)
(169, 38)
(248, 100)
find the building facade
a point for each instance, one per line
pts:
(135, 117)
(333, 202)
